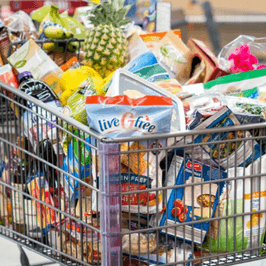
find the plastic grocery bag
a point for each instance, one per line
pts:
(244, 195)
(251, 84)
(257, 48)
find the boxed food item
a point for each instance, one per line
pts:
(202, 54)
(77, 163)
(175, 57)
(158, 17)
(4, 43)
(152, 39)
(30, 57)
(242, 196)
(195, 202)
(225, 155)
(134, 117)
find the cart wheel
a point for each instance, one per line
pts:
(23, 257)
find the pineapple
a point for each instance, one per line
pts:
(106, 47)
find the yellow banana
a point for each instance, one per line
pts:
(54, 32)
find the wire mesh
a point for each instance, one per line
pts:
(190, 198)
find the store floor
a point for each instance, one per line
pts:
(10, 255)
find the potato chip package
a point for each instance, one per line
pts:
(121, 116)
(242, 196)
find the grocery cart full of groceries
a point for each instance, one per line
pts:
(125, 146)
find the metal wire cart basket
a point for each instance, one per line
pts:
(190, 198)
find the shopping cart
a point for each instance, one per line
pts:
(101, 209)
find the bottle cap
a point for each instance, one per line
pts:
(24, 74)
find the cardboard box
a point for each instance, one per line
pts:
(158, 18)
(209, 65)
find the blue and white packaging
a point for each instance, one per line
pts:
(225, 155)
(77, 166)
(196, 202)
(121, 116)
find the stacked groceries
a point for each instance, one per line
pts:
(124, 82)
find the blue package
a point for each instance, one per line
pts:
(225, 156)
(202, 198)
(78, 164)
(121, 116)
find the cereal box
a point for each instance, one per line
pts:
(195, 202)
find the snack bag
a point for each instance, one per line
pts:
(126, 83)
(244, 195)
(21, 27)
(30, 57)
(38, 188)
(191, 203)
(77, 166)
(238, 153)
(132, 117)
(175, 57)
(251, 84)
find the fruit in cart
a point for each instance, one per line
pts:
(40, 13)
(106, 45)
(53, 32)
(73, 78)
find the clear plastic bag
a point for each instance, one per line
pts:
(257, 48)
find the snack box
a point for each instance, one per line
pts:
(151, 39)
(193, 202)
(202, 53)
(158, 17)
(126, 83)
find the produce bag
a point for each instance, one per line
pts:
(242, 195)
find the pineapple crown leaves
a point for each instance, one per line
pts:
(110, 12)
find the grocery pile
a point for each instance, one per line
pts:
(121, 81)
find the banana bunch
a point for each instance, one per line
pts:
(52, 28)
